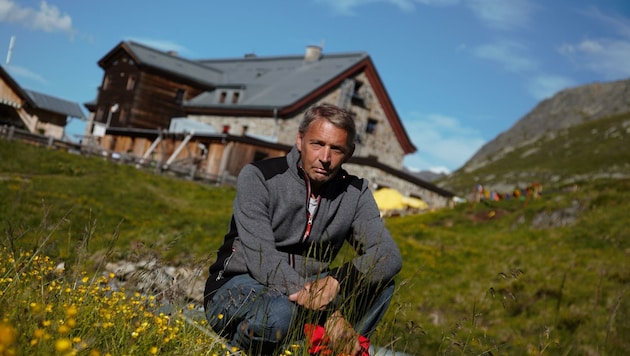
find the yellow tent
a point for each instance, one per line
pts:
(415, 203)
(388, 199)
(391, 199)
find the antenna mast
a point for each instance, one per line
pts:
(11, 43)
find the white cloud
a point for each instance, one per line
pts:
(47, 18)
(503, 14)
(607, 57)
(542, 87)
(163, 45)
(619, 24)
(590, 47)
(347, 7)
(21, 72)
(443, 143)
(508, 54)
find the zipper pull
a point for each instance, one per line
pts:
(307, 233)
(225, 263)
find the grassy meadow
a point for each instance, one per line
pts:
(516, 277)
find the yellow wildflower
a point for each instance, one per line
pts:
(72, 311)
(63, 345)
(7, 335)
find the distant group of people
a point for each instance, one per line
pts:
(480, 193)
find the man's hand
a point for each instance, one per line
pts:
(344, 340)
(318, 294)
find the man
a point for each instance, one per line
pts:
(291, 216)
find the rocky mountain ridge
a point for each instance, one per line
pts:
(567, 108)
(578, 135)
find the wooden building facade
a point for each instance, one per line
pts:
(34, 111)
(249, 108)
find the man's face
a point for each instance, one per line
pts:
(324, 147)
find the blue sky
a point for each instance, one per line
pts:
(459, 72)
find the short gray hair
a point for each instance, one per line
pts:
(337, 116)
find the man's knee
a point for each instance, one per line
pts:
(273, 325)
(261, 336)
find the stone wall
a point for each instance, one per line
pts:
(379, 179)
(382, 143)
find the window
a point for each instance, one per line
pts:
(106, 82)
(122, 116)
(222, 97)
(357, 95)
(235, 96)
(371, 126)
(179, 96)
(99, 115)
(357, 88)
(131, 82)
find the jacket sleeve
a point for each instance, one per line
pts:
(378, 257)
(253, 221)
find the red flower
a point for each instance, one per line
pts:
(318, 341)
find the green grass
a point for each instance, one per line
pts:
(42, 189)
(481, 278)
(486, 277)
(50, 314)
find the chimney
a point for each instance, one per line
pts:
(172, 53)
(313, 53)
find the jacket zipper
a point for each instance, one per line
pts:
(225, 264)
(309, 224)
(309, 216)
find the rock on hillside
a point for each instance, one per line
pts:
(567, 108)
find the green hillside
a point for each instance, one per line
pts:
(52, 191)
(515, 277)
(596, 149)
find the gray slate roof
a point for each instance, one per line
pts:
(44, 101)
(54, 104)
(276, 81)
(171, 63)
(264, 82)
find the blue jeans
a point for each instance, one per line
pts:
(257, 318)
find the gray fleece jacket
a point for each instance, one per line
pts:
(273, 237)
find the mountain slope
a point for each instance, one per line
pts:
(579, 134)
(568, 108)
